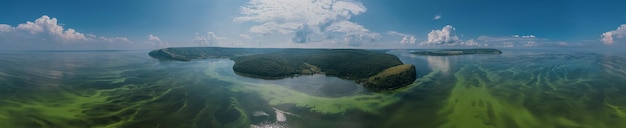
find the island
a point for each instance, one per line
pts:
(375, 70)
(449, 52)
(191, 53)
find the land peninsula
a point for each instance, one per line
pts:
(375, 70)
(450, 52)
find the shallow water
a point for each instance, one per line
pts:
(519, 88)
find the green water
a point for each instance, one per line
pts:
(520, 88)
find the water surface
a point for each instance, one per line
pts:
(519, 88)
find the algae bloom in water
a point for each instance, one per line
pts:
(517, 88)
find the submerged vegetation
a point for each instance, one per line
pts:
(117, 89)
(96, 91)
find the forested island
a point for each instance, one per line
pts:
(449, 52)
(191, 53)
(376, 70)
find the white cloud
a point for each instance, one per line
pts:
(471, 42)
(5, 28)
(531, 44)
(50, 26)
(115, 39)
(406, 38)
(507, 39)
(609, 37)
(301, 11)
(245, 36)
(153, 38)
(210, 39)
(394, 33)
(354, 34)
(512, 41)
(437, 17)
(527, 36)
(46, 33)
(507, 45)
(445, 36)
(307, 20)
(156, 41)
(358, 39)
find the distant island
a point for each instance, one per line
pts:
(376, 70)
(191, 53)
(449, 52)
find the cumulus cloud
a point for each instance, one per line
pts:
(46, 26)
(156, 41)
(46, 33)
(437, 17)
(609, 37)
(208, 39)
(5, 28)
(307, 19)
(445, 36)
(406, 38)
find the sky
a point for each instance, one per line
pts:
(368, 24)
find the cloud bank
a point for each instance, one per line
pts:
(46, 33)
(308, 20)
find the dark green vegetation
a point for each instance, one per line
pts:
(391, 77)
(190, 53)
(351, 64)
(448, 52)
(343, 63)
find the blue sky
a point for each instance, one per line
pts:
(150, 24)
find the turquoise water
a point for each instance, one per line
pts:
(519, 88)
